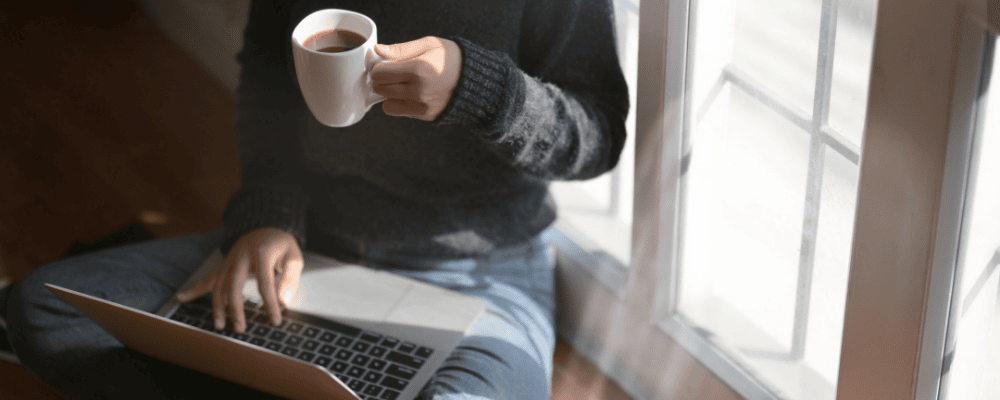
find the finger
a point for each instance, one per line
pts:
(397, 91)
(219, 301)
(406, 50)
(289, 282)
(198, 290)
(381, 76)
(239, 277)
(407, 70)
(266, 261)
(220, 294)
(404, 108)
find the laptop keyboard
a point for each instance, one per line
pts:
(375, 366)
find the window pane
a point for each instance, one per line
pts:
(974, 370)
(769, 187)
(776, 42)
(849, 92)
(760, 158)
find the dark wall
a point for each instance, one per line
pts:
(103, 122)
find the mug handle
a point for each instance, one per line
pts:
(373, 98)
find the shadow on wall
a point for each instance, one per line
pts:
(115, 125)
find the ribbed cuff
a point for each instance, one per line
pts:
(282, 208)
(484, 86)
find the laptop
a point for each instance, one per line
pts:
(349, 333)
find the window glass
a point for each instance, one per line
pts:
(774, 111)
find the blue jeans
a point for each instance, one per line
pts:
(507, 355)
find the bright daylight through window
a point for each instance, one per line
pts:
(775, 99)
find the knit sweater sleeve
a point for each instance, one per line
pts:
(559, 113)
(269, 108)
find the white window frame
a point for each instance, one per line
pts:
(914, 159)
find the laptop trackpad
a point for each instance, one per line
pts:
(335, 289)
(345, 290)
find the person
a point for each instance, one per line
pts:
(446, 182)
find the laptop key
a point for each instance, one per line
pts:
(311, 345)
(258, 341)
(372, 390)
(261, 331)
(338, 366)
(327, 349)
(360, 347)
(344, 342)
(306, 356)
(401, 372)
(324, 323)
(360, 359)
(356, 385)
(372, 377)
(322, 361)
(293, 340)
(404, 359)
(393, 383)
(423, 352)
(273, 346)
(377, 351)
(370, 337)
(290, 351)
(344, 355)
(343, 378)
(294, 327)
(377, 365)
(277, 335)
(407, 347)
(389, 395)
(310, 332)
(242, 337)
(327, 337)
(356, 372)
(389, 343)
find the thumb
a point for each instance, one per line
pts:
(387, 52)
(403, 51)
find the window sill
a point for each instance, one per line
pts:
(589, 238)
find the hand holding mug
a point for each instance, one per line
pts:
(417, 77)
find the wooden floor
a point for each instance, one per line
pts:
(104, 122)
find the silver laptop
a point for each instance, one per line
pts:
(350, 333)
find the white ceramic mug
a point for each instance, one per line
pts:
(337, 86)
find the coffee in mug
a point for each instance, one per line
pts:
(334, 41)
(334, 52)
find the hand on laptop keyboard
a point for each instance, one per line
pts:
(270, 255)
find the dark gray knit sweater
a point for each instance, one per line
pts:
(541, 97)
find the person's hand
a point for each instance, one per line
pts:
(418, 77)
(272, 256)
